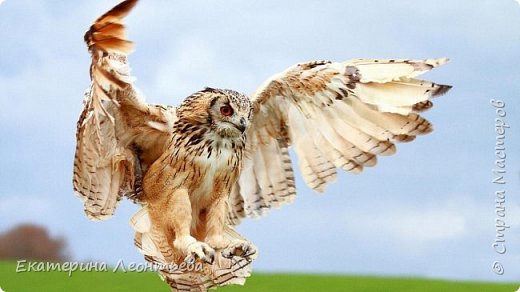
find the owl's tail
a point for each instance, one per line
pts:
(181, 276)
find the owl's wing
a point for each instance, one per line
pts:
(334, 115)
(116, 130)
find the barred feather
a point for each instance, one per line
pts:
(335, 115)
(115, 123)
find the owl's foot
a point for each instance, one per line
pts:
(200, 250)
(240, 248)
(194, 249)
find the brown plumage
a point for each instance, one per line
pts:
(221, 156)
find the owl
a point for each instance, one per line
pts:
(221, 156)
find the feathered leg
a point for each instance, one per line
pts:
(196, 277)
(175, 215)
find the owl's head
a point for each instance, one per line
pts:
(228, 113)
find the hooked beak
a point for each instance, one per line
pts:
(242, 126)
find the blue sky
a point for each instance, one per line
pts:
(426, 211)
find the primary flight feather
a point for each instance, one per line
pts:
(221, 156)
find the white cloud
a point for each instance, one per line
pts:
(431, 223)
(422, 228)
(410, 223)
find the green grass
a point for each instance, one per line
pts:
(300, 282)
(10, 281)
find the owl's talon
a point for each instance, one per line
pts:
(200, 250)
(243, 249)
(210, 256)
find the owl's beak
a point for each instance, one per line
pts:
(242, 126)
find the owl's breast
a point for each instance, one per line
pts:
(217, 173)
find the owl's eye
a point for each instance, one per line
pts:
(226, 110)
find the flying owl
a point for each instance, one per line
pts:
(221, 156)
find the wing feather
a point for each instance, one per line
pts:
(116, 126)
(334, 115)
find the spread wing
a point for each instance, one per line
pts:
(118, 134)
(334, 115)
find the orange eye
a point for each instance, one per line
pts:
(226, 110)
